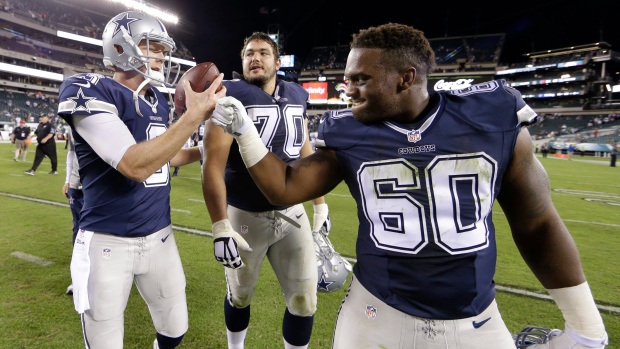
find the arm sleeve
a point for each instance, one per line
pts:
(106, 134)
(70, 157)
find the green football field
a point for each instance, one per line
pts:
(35, 222)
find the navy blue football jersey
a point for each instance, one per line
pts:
(113, 203)
(425, 192)
(280, 123)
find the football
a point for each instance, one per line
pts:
(200, 78)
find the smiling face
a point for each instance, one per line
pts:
(373, 85)
(259, 63)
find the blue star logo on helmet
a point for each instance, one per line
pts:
(124, 22)
(323, 284)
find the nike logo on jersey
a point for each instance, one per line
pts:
(87, 84)
(299, 216)
(479, 324)
(164, 239)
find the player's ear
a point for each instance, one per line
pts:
(278, 63)
(407, 78)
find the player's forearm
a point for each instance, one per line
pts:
(272, 177)
(549, 251)
(141, 160)
(214, 193)
(318, 201)
(186, 156)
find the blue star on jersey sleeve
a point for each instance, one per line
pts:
(80, 101)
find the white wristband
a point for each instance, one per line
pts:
(579, 310)
(320, 209)
(251, 147)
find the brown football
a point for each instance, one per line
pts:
(200, 78)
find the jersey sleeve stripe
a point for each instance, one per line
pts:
(68, 107)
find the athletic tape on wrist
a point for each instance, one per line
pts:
(320, 209)
(220, 227)
(579, 310)
(251, 147)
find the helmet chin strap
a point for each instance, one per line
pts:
(159, 76)
(136, 98)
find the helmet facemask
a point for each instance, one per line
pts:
(333, 269)
(141, 58)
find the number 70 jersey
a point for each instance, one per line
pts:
(425, 192)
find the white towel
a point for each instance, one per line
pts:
(80, 270)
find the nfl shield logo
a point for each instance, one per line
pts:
(106, 253)
(371, 312)
(244, 229)
(414, 136)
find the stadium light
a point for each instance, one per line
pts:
(70, 36)
(137, 5)
(31, 72)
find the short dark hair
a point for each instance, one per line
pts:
(262, 37)
(404, 45)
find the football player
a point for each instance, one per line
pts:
(125, 147)
(282, 233)
(425, 169)
(72, 190)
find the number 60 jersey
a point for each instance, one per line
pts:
(425, 192)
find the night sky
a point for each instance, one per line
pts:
(214, 31)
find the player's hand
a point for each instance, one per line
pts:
(226, 244)
(573, 340)
(203, 103)
(230, 115)
(65, 190)
(321, 219)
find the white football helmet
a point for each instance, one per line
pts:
(531, 335)
(120, 40)
(332, 268)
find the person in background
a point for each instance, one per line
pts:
(282, 233)
(544, 150)
(72, 189)
(425, 169)
(200, 134)
(20, 137)
(570, 151)
(46, 145)
(125, 146)
(614, 155)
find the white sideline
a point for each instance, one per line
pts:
(31, 258)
